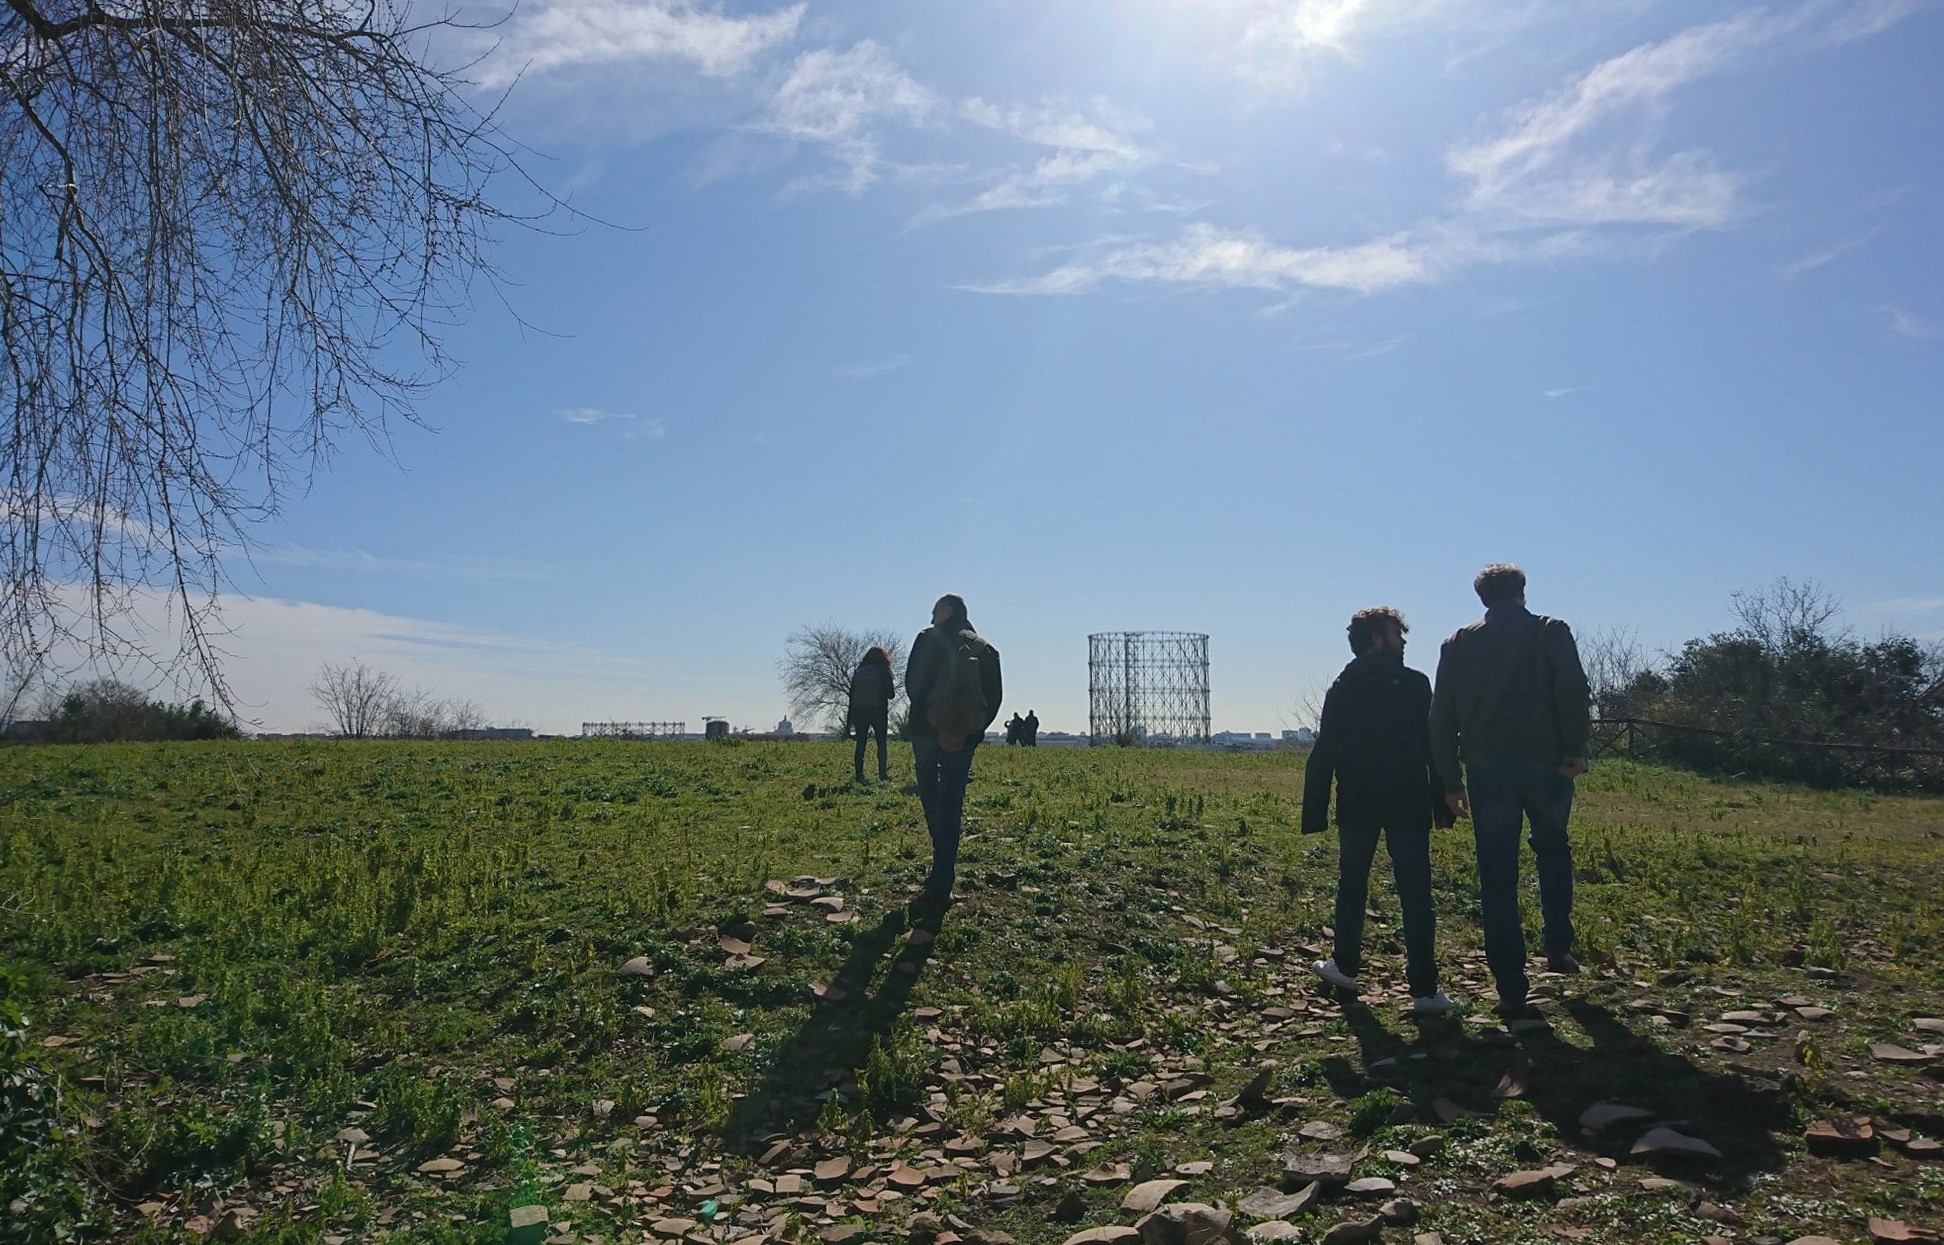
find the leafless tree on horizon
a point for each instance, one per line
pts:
(818, 662)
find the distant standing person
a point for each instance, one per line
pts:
(1375, 740)
(1029, 729)
(871, 690)
(955, 688)
(1015, 731)
(1512, 703)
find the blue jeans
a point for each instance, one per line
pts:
(942, 777)
(1410, 853)
(1504, 794)
(864, 727)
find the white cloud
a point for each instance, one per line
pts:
(1359, 352)
(1111, 133)
(272, 650)
(1554, 395)
(1816, 259)
(867, 368)
(1533, 170)
(1085, 149)
(560, 34)
(1863, 19)
(839, 99)
(358, 560)
(1687, 191)
(635, 427)
(1207, 257)
(1910, 325)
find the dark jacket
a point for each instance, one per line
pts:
(887, 689)
(927, 662)
(1510, 688)
(1375, 740)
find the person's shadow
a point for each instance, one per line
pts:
(1476, 1073)
(835, 1040)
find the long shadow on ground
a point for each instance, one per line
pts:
(1475, 1072)
(834, 1042)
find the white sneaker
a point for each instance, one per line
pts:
(1432, 1004)
(1328, 971)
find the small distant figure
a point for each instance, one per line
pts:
(1375, 741)
(1513, 705)
(955, 687)
(871, 690)
(1029, 729)
(1015, 731)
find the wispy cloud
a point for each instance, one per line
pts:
(838, 101)
(1816, 259)
(867, 368)
(1910, 325)
(1535, 169)
(634, 427)
(1206, 257)
(549, 35)
(1899, 605)
(1359, 352)
(1085, 147)
(358, 561)
(1565, 391)
(1864, 19)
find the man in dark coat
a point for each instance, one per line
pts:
(944, 759)
(1513, 705)
(1375, 741)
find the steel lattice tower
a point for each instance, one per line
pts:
(1148, 687)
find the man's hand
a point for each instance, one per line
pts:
(1458, 803)
(1572, 767)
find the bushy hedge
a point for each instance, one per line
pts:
(111, 712)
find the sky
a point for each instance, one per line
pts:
(1230, 316)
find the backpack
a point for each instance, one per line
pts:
(866, 691)
(957, 704)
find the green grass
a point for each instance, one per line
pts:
(251, 948)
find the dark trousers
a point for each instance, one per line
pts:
(942, 777)
(864, 727)
(1505, 795)
(1410, 854)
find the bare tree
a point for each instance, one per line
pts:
(230, 235)
(1306, 707)
(359, 702)
(817, 665)
(1789, 615)
(1614, 662)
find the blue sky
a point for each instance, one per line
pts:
(1225, 315)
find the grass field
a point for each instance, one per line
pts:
(343, 992)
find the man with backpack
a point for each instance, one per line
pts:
(1374, 740)
(871, 691)
(1512, 703)
(955, 688)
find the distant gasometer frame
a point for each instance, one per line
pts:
(1148, 688)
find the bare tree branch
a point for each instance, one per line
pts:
(231, 232)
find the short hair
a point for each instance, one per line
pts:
(1499, 583)
(1367, 625)
(952, 600)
